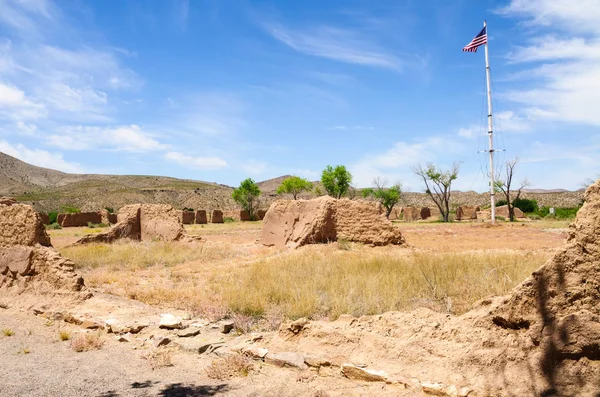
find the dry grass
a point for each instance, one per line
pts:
(260, 286)
(159, 358)
(327, 283)
(64, 335)
(229, 367)
(86, 342)
(7, 332)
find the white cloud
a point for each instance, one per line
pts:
(202, 163)
(39, 157)
(397, 162)
(129, 138)
(14, 104)
(562, 82)
(337, 44)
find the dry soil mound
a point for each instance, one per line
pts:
(294, 223)
(27, 259)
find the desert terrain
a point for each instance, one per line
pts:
(232, 279)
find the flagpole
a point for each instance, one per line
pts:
(490, 130)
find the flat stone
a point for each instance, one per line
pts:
(286, 359)
(316, 361)
(368, 375)
(254, 352)
(226, 326)
(195, 345)
(124, 338)
(434, 389)
(169, 321)
(188, 333)
(91, 324)
(160, 341)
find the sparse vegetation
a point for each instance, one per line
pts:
(229, 367)
(159, 358)
(247, 195)
(52, 217)
(294, 185)
(69, 209)
(7, 332)
(64, 335)
(228, 219)
(54, 226)
(336, 181)
(86, 342)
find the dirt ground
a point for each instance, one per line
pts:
(35, 362)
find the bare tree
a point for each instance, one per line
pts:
(505, 186)
(438, 185)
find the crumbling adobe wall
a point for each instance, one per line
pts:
(294, 223)
(27, 259)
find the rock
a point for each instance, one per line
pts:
(188, 333)
(434, 389)
(125, 337)
(226, 326)
(316, 361)
(169, 321)
(91, 324)
(368, 375)
(286, 359)
(126, 328)
(465, 392)
(160, 341)
(294, 223)
(298, 325)
(257, 353)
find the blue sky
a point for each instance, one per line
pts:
(221, 90)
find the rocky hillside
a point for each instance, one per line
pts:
(50, 190)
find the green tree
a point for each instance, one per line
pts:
(387, 197)
(336, 181)
(294, 185)
(247, 196)
(438, 185)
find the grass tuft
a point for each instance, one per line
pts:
(7, 332)
(229, 367)
(64, 335)
(86, 342)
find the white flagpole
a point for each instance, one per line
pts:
(490, 131)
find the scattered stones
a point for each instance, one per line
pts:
(91, 324)
(368, 375)
(226, 326)
(169, 321)
(125, 328)
(286, 359)
(188, 333)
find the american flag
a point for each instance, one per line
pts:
(480, 39)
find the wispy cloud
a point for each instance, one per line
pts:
(195, 162)
(41, 158)
(562, 82)
(337, 44)
(130, 138)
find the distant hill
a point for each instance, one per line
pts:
(50, 190)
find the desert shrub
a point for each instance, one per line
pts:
(228, 219)
(110, 210)
(96, 225)
(229, 367)
(499, 203)
(500, 218)
(159, 358)
(64, 335)
(86, 342)
(7, 332)
(54, 226)
(534, 217)
(188, 209)
(344, 244)
(69, 209)
(53, 217)
(526, 205)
